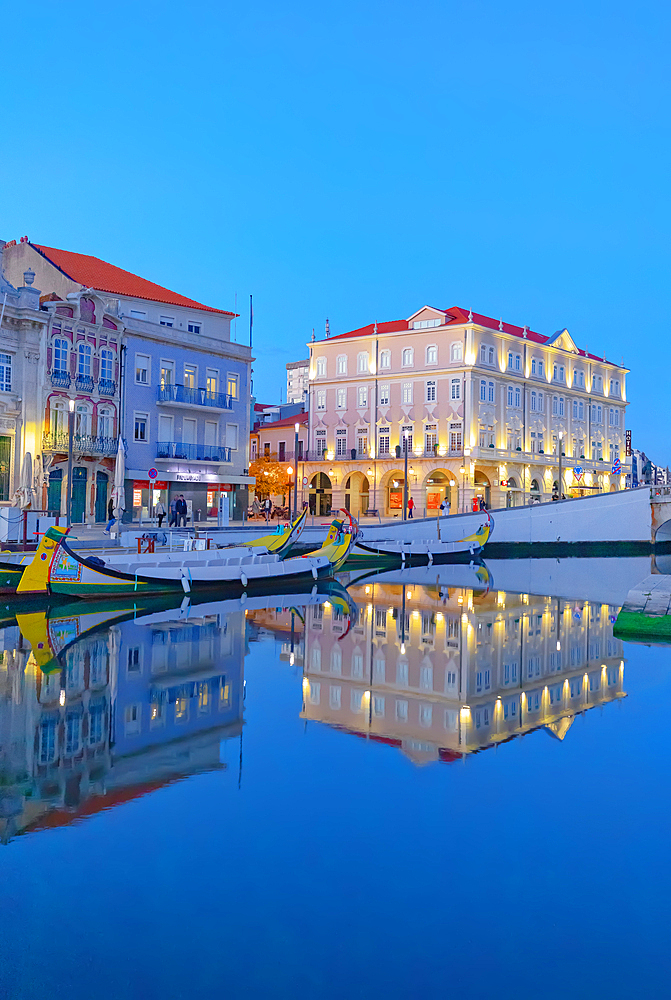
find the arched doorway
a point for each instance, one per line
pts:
(436, 491)
(320, 495)
(535, 490)
(482, 486)
(102, 480)
(357, 490)
(54, 491)
(512, 496)
(394, 493)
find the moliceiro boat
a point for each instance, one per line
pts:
(427, 551)
(58, 569)
(284, 536)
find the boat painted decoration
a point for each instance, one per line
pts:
(283, 538)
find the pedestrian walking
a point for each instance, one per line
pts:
(411, 506)
(181, 510)
(256, 507)
(267, 508)
(160, 512)
(172, 523)
(444, 507)
(110, 515)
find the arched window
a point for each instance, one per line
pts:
(555, 406)
(59, 417)
(82, 420)
(84, 361)
(533, 400)
(341, 364)
(518, 396)
(491, 355)
(60, 355)
(105, 422)
(510, 395)
(432, 355)
(407, 356)
(362, 361)
(457, 351)
(483, 391)
(385, 359)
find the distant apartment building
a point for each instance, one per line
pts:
(482, 407)
(145, 363)
(644, 472)
(297, 381)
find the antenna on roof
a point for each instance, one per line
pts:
(470, 315)
(604, 355)
(327, 328)
(501, 323)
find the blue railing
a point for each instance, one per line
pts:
(84, 383)
(106, 386)
(83, 444)
(192, 452)
(60, 378)
(194, 397)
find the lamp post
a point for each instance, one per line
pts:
(71, 420)
(290, 472)
(296, 430)
(559, 488)
(405, 476)
(462, 470)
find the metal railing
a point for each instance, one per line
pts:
(84, 383)
(60, 379)
(192, 452)
(194, 397)
(106, 386)
(83, 444)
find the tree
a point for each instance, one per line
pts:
(272, 478)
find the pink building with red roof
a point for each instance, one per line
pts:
(481, 405)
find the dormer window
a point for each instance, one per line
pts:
(426, 324)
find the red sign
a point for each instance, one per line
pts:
(144, 484)
(226, 487)
(396, 499)
(432, 501)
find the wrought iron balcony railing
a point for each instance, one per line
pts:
(84, 383)
(192, 452)
(106, 386)
(60, 378)
(194, 397)
(82, 444)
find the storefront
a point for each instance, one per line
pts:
(146, 495)
(199, 491)
(436, 492)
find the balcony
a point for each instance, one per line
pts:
(182, 395)
(82, 444)
(60, 379)
(106, 386)
(84, 383)
(192, 452)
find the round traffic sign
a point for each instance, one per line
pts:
(153, 473)
(305, 480)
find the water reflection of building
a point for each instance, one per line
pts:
(136, 706)
(444, 674)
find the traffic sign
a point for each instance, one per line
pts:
(617, 467)
(305, 480)
(577, 472)
(153, 473)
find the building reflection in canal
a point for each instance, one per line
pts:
(445, 672)
(124, 710)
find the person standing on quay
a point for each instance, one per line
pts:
(172, 523)
(159, 510)
(411, 506)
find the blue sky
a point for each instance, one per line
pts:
(357, 161)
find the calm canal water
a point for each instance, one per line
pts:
(448, 781)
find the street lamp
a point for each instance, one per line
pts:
(297, 427)
(462, 470)
(560, 491)
(71, 419)
(290, 473)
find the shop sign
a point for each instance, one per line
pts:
(187, 477)
(432, 501)
(396, 499)
(226, 487)
(144, 484)
(137, 497)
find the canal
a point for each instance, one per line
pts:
(409, 785)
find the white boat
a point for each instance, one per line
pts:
(427, 551)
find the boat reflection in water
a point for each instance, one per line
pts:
(97, 708)
(442, 671)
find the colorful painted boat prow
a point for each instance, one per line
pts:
(35, 577)
(282, 539)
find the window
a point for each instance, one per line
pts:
(407, 392)
(490, 392)
(431, 392)
(406, 438)
(141, 427)
(211, 381)
(334, 696)
(561, 406)
(362, 361)
(105, 423)
(341, 398)
(383, 441)
(133, 663)
(554, 373)
(490, 356)
(82, 421)
(510, 359)
(533, 400)
(401, 710)
(321, 399)
(455, 388)
(425, 324)
(84, 361)
(320, 442)
(540, 401)
(540, 369)
(518, 396)
(5, 373)
(341, 442)
(457, 352)
(193, 327)
(455, 438)
(132, 719)
(321, 367)
(362, 443)
(561, 373)
(575, 409)
(232, 386)
(281, 451)
(142, 369)
(483, 354)
(167, 373)
(510, 395)
(617, 387)
(483, 391)
(432, 355)
(190, 376)
(362, 396)
(533, 366)
(555, 406)
(341, 364)
(385, 359)
(60, 355)
(106, 369)
(384, 394)
(430, 438)
(232, 436)
(166, 320)
(407, 356)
